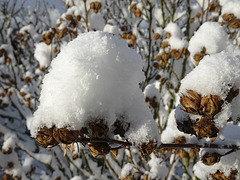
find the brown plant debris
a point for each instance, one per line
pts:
(232, 94)
(220, 175)
(191, 102)
(211, 105)
(147, 148)
(100, 148)
(205, 127)
(210, 159)
(65, 136)
(199, 56)
(45, 137)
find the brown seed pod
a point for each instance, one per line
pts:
(180, 140)
(147, 148)
(98, 129)
(181, 153)
(157, 36)
(164, 44)
(198, 15)
(121, 127)
(210, 105)
(92, 5)
(19, 36)
(185, 125)
(168, 35)
(191, 20)
(191, 102)
(193, 153)
(97, 149)
(210, 159)
(156, 65)
(78, 18)
(7, 150)
(69, 17)
(98, 5)
(158, 57)
(220, 175)
(235, 23)
(65, 136)
(205, 128)
(45, 137)
(138, 13)
(199, 56)
(228, 17)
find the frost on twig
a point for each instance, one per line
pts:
(92, 93)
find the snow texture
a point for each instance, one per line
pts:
(43, 54)
(231, 6)
(95, 76)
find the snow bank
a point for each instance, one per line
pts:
(95, 76)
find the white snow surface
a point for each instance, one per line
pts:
(43, 54)
(231, 6)
(210, 35)
(95, 76)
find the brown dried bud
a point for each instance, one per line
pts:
(69, 17)
(181, 153)
(193, 152)
(228, 17)
(7, 150)
(27, 79)
(156, 65)
(22, 93)
(191, 102)
(65, 136)
(97, 149)
(185, 125)
(92, 5)
(235, 23)
(10, 165)
(180, 140)
(198, 15)
(8, 59)
(48, 41)
(164, 44)
(45, 137)
(210, 159)
(78, 17)
(168, 35)
(98, 5)
(147, 148)
(158, 57)
(19, 36)
(157, 36)
(55, 50)
(220, 175)
(98, 129)
(133, 6)
(210, 105)
(25, 42)
(205, 128)
(138, 13)
(191, 20)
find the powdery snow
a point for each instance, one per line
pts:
(43, 54)
(95, 76)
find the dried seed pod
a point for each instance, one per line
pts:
(220, 175)
(180, 140)
(235, 23)
(228, 17)
(92, 5)
(164, 44)
(194, 152)
(65, 136)
(7, 150)
(157, 36)
(205, 128)
(19, 36)
(97, 149)
(78, 18)
(138, 13)
(191, 20)
(210, 105)
(27, 79)
(199, 56)
(156, 65)
(210, 159)
(191, 102)
(98, 129)
(147, 148)
(25, 42)
(98, 5)
(69, 17)
(45, 137)
(158, 57)
(181, 153)
(168, 35)
(198, 15)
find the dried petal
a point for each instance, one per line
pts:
(228, 17)
(97, 149)
(45, 138)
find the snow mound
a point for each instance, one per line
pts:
(95, 76)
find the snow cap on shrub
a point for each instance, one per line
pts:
(95, 77)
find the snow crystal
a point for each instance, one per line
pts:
(210, 35)
(43, 54)
(95, 76)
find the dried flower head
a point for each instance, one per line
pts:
(45, 137)
(191, 102)
(65, 136)
(147, 148)
(220, 175)
(199, 56)
(210, 159)
(206, 128)
(228, 17)
(210, 105)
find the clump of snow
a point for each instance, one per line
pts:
(28, 29)
(231, 6)
(210, 35)
(173, 29)
(95, 76)
(108, 28)
(151, 90)
(43, 54)
(96, 22)
(158, 169)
